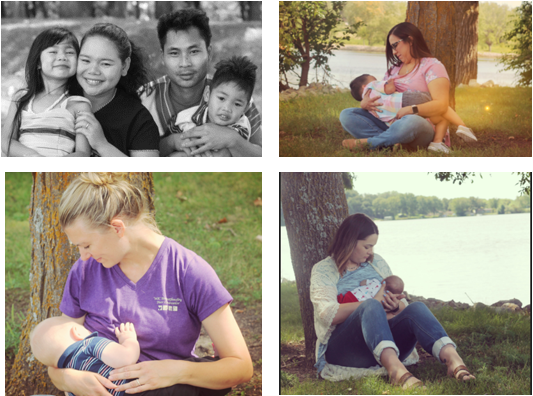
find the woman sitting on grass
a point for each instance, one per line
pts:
(128, 271)
(382, 330)
(413, 68)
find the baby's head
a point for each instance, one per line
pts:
(231, 90)
(50, 338)
(394, 284)
(358, 85)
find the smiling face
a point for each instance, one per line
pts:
(186, 57)
(227, 103)
(363, 249)
(403, 49)
(58, 61)
(99, 66)
(103, 246)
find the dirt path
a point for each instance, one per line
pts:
(248, 318)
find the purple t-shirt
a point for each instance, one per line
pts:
(167, 305)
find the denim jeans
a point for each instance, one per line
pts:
(411, 130)
(360, 339)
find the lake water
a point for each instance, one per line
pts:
(346, 65)
(487, 257)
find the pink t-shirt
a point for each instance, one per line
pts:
(417, 80)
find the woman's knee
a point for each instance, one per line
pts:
(417, 307)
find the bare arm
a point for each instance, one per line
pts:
(235, 364)
(83, 148)
(16, 149)
(439, 90)
(251, 148)
(125, 353)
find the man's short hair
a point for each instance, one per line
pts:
(239, 70)
(184, 20)
(356, 86)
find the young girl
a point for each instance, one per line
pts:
(40, 120)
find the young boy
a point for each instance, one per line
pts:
(393, 101)
(60, 342)
(225, 101)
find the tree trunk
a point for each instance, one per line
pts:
(76, 9)
(314, 205)
(466, 16)
(436, 21)
(254, 11)
(306, 66)
(117, 9)
(162, 7)
(52, 258)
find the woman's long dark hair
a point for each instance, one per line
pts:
(137, 73)
(354, 228)
(34, 78)
(409, 33)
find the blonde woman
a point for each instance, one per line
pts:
(356, 338)
(129, 272)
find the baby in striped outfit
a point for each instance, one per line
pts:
(61, 342)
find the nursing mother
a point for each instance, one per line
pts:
(126, 272)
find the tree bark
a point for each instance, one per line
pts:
(436, 21)
(467, 13)
(314, 205)
(52, 258)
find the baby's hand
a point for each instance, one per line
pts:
(363, 283)
(125, 332)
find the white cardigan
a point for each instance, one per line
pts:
(324, 278)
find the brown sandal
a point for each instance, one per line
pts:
(401, 382)
(462, 375)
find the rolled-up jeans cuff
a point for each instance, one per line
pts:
(381, 346)
(439, 344)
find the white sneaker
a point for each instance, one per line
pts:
(466, 134)
(439, 147)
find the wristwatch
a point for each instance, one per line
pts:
(415, 109)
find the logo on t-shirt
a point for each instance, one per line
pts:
(167, 304)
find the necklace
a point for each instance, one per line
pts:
(106, 103)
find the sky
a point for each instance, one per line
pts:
(492, 185)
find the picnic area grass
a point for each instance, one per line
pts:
(500, 118)
(495, 347)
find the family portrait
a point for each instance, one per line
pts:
(133, 283)
(405, 79)
(134, 79)
(399, 294)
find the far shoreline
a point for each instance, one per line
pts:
(381, 49)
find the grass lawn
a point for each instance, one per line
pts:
(500, 118)
(496, 347)
(212, 214)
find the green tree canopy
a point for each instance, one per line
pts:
(493, 20)
(378, 17)
(521, 39)
(305, 36)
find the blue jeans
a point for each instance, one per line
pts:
(411, 130)
(360, 339)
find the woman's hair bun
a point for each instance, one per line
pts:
(101, 178)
